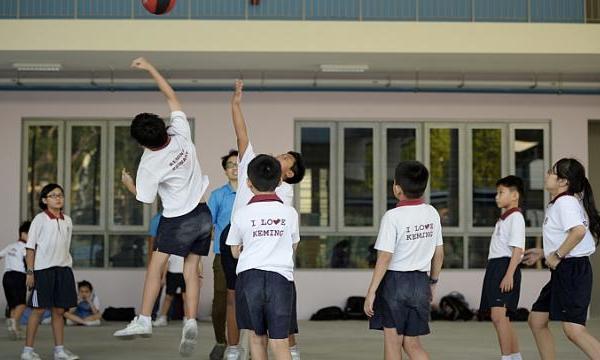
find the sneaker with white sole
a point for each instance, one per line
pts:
(160, 322)
(65, 354)
(295, 353)
(232, 353)
(217, 352)
(189, 334)
(30, 355)
(93, 323)
(136, 327)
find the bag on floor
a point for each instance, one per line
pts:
(454, 307)
(118, 314)
(328, 313)
(354, 309)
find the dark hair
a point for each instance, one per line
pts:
(412, 177)
(149, 130)
(514, 183)
(85, 283)
(571, 170)
(44, 194)
(24, 228)
(298, 168)
(264, 171)
(226, 157)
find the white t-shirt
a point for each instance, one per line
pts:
(563, 214)
(267, 230)
(175, 264)
(243, 195)
(173, 172)
(14, 257)
(95, 301)
(411, 231)
(50, 237)
(509, 233)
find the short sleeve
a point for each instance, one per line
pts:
(235, 233)
(35, 231)
(517, 231)
(146, 186)
(569, 213)
(294, 227)
(96, 302)
(386, 239)
(439, 238)
(179, 125)
(5, 251)
(245, 160)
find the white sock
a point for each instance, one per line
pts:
(59, 348)
(506, 357)
(294, 348)
(27, 349)
(145, 320)
(516, 356)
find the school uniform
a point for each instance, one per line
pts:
(411, 232)
(267, 229)
(509, 233)
(566, 297)
(173, 172)
(50, 237)
(14, 277)
(84, 308)
(175, 280)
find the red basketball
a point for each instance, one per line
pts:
(158, 7)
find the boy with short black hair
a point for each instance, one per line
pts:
(409, 245)
(502, 281)
(87, 312)
(267, 230)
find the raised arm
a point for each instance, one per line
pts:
(239, 124)
(163, 85)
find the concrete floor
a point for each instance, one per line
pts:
(347, 340)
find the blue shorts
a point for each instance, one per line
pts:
(402, 302)
(566, 297)
(189, 233)
(491, 295)
(263, 301)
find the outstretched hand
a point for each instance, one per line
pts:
(141, 63)
(237, 95)
(532, 256)
(126, 179)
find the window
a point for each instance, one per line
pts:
(350, 172)
(86, 158)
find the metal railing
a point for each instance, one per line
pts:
(561, 11)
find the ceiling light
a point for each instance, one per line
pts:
(344, 68)
(36, 67)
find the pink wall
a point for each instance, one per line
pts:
(271, 120)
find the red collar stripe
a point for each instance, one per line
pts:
(54, 217)
(508, 212)
(264, 198)
(566, 193)
(410, 202)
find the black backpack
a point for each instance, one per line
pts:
(454, 307)
(118, 314)
(354, 309)
(328, 313)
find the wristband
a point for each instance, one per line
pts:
(29, 271)
(433, 281)
(558, 255)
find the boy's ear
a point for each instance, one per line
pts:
(249, 184)
(288, 174)
(397, 190)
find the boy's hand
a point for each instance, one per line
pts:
(532, 256)
(126, 179)
(506, 285)
(552, 262)
(368, 307)
(141, 63)
(237, 95)
(30, 281)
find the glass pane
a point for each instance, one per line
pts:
(126, 209)
(87, 250)
(314, 188)
(453, 252)
(42, 164)
(479, 248)
(444, 161)
(127, 251)
(529, 165)
(358, 177)
(487, 167)
(349, 252)
(86, 154)
(401, 145)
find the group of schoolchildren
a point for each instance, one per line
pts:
(258, 239)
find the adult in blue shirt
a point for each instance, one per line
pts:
(220, 204)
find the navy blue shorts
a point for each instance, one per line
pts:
(402, 302)
(566, 297)
(294, 318)
(189, 233)
(53, 287)
(14, 288)
(263, 303)
(175, 281)
(228, 262)
(491, 295)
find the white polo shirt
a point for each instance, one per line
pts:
(411, 231)
(243, 195)
(562, 214)
(14, 257)
(173, 172)
(175, 264)
(509, 233)
(267, 230)
(50, 237)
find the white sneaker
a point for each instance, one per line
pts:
(160, 322)
(12, 330)
(135, 327)
(46, 321)
(188, 338)
(30, 356)
(232, 353)
(295, 353)
(70, 322)
(93, 323)
(65, 355)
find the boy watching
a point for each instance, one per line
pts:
(502, 281)
(87, 311)
(267, 231)
(409, 245)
